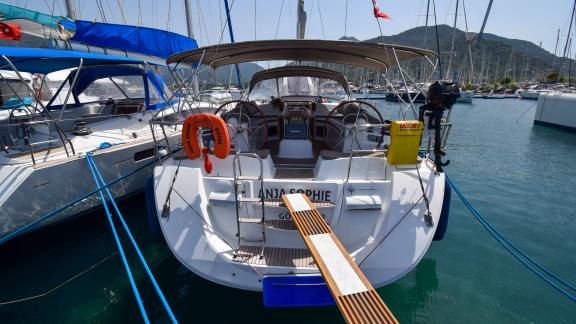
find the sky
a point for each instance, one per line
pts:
(532, 20)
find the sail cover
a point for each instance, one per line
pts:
(143, 40)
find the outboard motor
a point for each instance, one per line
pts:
(441, 96)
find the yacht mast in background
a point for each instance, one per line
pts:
(301, 27)
(70, 10)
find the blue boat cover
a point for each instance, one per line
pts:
(39, 60)
(149, 41)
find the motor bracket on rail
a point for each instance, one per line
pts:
(441, 97)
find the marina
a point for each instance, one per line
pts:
(487, 278)
(224, 175)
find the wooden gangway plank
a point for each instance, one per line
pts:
(357, 300)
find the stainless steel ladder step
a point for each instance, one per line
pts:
(245, 240)
(250, 220)
(246, 230)
(252, 200)
(247, 178)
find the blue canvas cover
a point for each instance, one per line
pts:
(14, 12)
(40, 60)
(149, 41)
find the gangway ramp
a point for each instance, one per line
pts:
(357, 300)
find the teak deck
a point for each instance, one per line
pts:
(353, 293)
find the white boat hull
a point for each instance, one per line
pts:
(386, 242)
(466, 96)
(557, 110)
(28, 190)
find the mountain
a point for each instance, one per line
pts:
(493, 58)
(220, 77)
(349, 38)
(224, 75)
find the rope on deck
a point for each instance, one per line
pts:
(100, 183)
(521, 256)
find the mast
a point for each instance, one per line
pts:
(301, 27)
(497, 72)
(423, 66)
(453, 39)
(484, 76)
(232, 40)
(483, 64)
(189, 25)
(70, 10)
(567, 39)
(190, 28)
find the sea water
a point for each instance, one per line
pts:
(521, 177)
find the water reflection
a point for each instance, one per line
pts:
(410, 296)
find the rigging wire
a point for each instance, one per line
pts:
(121, 6)
(101, 10)
(447, 12)
(279, 17)
(111, 11)
(81, 7)
(211, 20)
(169, 20)
(52, 14)
(569, 30)
(321, 20)
(292, 19)
(203, 21)
(220, 16)
(139, 13)
(437, 40)
(465, 17)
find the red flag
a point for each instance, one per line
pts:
(10, 31)
(378, 13)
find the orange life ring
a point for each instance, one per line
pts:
(219, 133)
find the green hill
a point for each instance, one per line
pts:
(493, 58)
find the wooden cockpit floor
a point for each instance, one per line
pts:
(272, 256)
(294, 173)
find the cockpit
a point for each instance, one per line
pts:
(298, 113)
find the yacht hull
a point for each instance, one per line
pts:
(28, 192)
(387, 239)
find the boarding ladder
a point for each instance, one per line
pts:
(357, 300)
(246, 206)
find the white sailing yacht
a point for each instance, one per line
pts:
(221, 201)
(102, 107)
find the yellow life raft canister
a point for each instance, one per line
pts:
(405, 138)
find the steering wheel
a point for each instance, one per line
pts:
(352, 111)
(243, 111)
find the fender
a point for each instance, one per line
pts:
(219, 131)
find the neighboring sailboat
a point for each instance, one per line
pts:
(103, 106)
